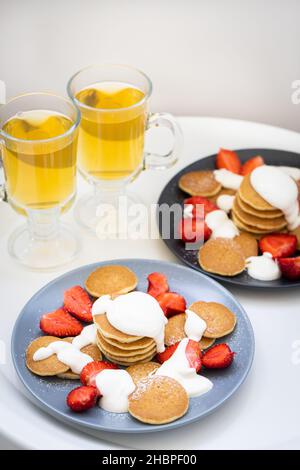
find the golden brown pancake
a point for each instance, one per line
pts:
(247, 243)
(245, 227)
(174, 332)
(108, 331)
(113, 350)
(140, 372)
(158, 400)
(199, 183)
(222, 256)
(258, 213)
(134, 345)
(219, 319)
(248, 194)
(131, 360)
(46, 367)
(112, 280)
(271, 225)
(223, 192)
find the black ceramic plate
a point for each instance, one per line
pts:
(171, 194)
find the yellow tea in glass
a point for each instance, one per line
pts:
(111, 144)
(38, 145)
(41, 175)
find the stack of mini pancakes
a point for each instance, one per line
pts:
(251, 213)
(121, 348)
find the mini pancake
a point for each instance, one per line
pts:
(245, 227)
(158, 400)
(258, 213)
(265, 224)
(92, 350)
(140, 372)
(108, 331)
(111, 279)
(46, 367)
(222, 256)
(113, 350)
(297, 233)
(135, 345)
(174, 332)
(223, 192)
(248, 194)
(248, 244)
(131, 361)
(199, 183)
(219, 319)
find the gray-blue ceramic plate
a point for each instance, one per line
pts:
(50, 393)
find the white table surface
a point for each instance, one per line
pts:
(264, 413)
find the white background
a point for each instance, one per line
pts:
(229, 58)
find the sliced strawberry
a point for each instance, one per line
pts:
(193, 354)
(208, 206)
(193, 230)
(60, 323)
(171, 303)
(168, 352)
(229, 160)
(157, 284)
(251, 164)
(82, 398)
(218, 357)
(290, 268)
(89, 372)
(78, 303)
(279, 244)
(192, 351)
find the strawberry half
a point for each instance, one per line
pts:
(89, 372)
(279, 244)
(171, 303)
(60, 323)
(208, 206)
(78, 303)
(192, 230)
(157, 284)
(251, 164)
(82, 398)
(290, 268)
(229, 160)
(192, 351)
(219, 356)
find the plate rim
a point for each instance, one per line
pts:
(76, 422)
(228, 280)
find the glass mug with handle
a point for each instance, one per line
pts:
(114, 104)
(38, 139)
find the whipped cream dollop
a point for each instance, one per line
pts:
(263, 268)
(135, 313)
(279, 190)
(225, 202)
(178, 368)
(69, 353)
(115, 386)
(228, 179)
(221, 225)
(194, 326)
(292, 171)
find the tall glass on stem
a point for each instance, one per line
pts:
(114, 104)
(38, 139)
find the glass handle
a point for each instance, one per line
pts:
(3, 195)
(161, 162)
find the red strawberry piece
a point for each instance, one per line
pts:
(193, 354)
(251, 164)
(192, 230)
(171, 303)
(229, 160)
(82, 398)
(208, 206)
(158, 284)
(219, 356)
(290, 268)
(192, 351)
(89, 372)
(60, 323)
(78, 303)
(280, 245)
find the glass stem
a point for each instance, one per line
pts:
(43, 224)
